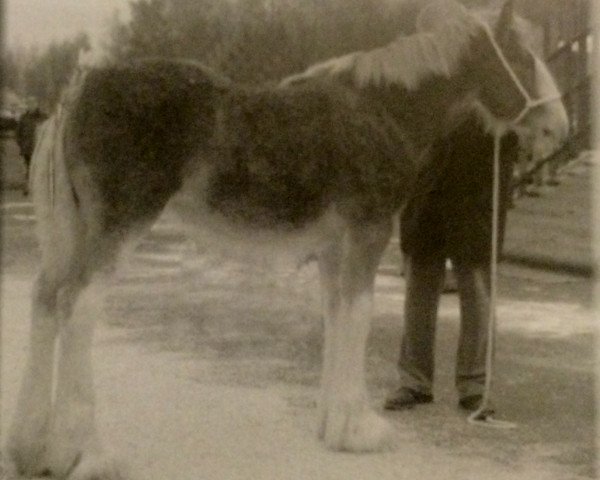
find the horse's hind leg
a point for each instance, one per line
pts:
(57, 435)
(74, 450)
(53, 429)
(72, 431)
(31, 421)
(347, 421)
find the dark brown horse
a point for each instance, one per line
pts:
(317, 166)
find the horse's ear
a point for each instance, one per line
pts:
(506, 20)
(437, 13)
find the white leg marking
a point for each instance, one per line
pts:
(74, 450)
(351, 423)
(347, 421)
(329, 277)
(29, 429)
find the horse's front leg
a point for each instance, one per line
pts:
(329, 272)
(347, 420)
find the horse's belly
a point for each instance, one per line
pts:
(236, 236)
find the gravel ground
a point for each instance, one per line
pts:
(168, 414)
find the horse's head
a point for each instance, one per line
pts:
(512, 89)
(541, 119)
(507, 72)
(546, 126)
(518, 89)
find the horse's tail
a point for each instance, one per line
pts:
(59, 220)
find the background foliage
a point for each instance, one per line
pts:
(251, 41)
(256, 40)
(42, 75)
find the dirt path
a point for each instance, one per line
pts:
(167, 417)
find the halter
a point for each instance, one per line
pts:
(530, 103)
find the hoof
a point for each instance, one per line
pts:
(24, 457)
(94, 465)
(86, 460)
(356, 430)
(97, 466)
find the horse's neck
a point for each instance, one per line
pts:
(426, 113)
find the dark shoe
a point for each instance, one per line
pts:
(405, 398)
(471, 403)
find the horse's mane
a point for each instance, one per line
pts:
(405, 61)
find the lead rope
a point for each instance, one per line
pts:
(483, 415)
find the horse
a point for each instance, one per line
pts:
(316, 165)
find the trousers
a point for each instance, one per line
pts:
(424, 283)
(450, 217)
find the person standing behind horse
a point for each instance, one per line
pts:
(26, 135)
(450, 217)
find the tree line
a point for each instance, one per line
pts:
(251, 41)
(42, 74)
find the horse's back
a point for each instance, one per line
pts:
(287, 155)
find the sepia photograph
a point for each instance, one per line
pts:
(299, 239)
